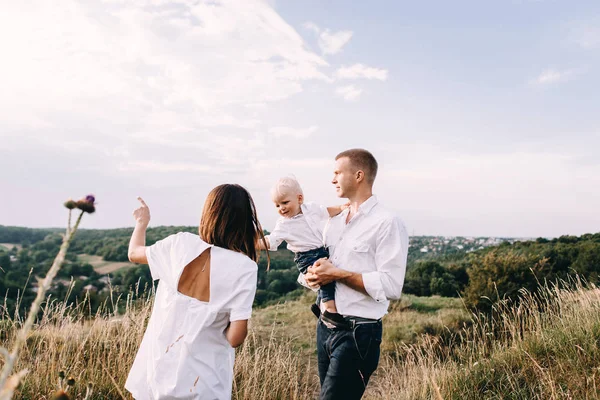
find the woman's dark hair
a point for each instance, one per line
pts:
(229, 220)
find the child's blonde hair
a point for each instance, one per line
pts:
(287, 184)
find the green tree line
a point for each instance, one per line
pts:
(480, 277)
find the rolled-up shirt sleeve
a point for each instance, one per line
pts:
(276, 237)
(391, 254)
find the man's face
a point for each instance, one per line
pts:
(344, 178)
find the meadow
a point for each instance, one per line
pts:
(522, 322)
(543, 347)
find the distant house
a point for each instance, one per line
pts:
(13, 258)
(424, 249)
(90, 288)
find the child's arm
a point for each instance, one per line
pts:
(274, 239)
(335, 210)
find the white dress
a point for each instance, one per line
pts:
(184, 353)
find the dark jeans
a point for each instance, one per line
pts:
(306, 259)
(346, 359)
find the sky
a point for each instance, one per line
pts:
(484, 116)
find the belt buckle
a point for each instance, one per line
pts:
(352, 324)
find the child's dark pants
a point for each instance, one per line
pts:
(306, 259)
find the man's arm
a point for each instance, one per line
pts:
(386, 282)
(324, 272)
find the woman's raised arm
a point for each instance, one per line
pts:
(137, 244)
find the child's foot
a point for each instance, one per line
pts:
(334, 320)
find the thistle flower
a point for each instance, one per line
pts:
(86, 204)
(8, 382)
(60, 395)
(70, 204)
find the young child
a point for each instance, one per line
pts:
(301, 225)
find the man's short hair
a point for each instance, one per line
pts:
(363, 160)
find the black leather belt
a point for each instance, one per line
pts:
(354, 321)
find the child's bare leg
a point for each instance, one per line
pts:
(329, 306)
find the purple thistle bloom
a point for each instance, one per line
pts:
(86, 204)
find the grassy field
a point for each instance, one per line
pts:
(408, 322)
(547, 347)
(9, 246)
(101, 266)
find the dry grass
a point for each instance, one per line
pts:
(104, 267)
(545, 348)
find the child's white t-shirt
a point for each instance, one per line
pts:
(184, 353)
(302, 232)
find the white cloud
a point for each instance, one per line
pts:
(333, 42)
(358, 71)
(294, 164)
(311, 26)
(146, 72)
(551, 76)
(348, 93)
(286, 131)
(152, 166)
(329, 42)
(587, 33)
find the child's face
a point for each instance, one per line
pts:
(287, 204)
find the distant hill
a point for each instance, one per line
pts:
(474, 267)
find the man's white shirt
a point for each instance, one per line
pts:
(375, 244)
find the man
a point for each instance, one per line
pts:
(368, 248)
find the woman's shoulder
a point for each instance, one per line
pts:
(235, 256)
(183, 242)
(186, 238)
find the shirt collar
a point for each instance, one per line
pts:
(368, 205)
(303, 208)
(301, 214)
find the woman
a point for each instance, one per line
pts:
(203, 300)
